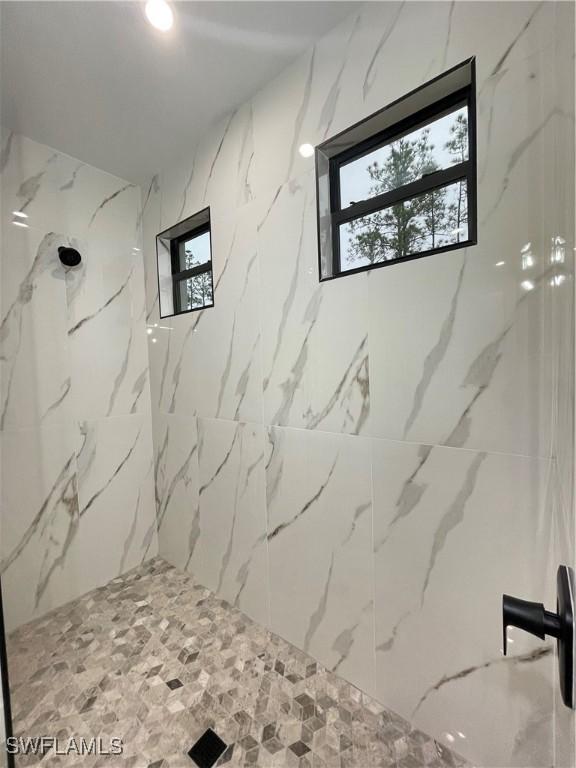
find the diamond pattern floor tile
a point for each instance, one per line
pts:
(154, 659)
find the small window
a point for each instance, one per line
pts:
(184, 254)
(402, 183)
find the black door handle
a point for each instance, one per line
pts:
(534, 618)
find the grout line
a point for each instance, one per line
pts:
(415, 443)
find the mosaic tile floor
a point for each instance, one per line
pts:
(155, 659)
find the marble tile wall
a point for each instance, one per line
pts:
(77, 490)
(366, 465)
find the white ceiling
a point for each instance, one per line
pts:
(95, 80)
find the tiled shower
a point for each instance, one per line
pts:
(352, 470)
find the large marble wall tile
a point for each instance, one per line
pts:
(232, 532)
(343, 78)
(212, 359)
(151, 226)
(97, 361)
(279, 110)
(107, 334)
(329, 88)
(315, 336)
(217, 172)
(35, 378)
(72, 349)
(450, 350)
(224, 164)
(115, 497)
(174, 183)
(40, 521)
(115, 221)
(229, 342)
(161, 348)
(470, 363)
(177, 489)
(61, 193)
(32, 179)
(318, 489)
(559, 79)
(445, 34)
(453, 531)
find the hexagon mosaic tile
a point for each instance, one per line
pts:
(155, 659)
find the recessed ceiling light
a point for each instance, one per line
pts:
(20, 214)
(306, 150)
(159, 14)
(20, 224)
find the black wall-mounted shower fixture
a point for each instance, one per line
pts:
(69, 256)
(534, 618)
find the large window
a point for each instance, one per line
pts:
(402, 183)
(184, 256)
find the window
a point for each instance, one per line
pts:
(184, 255)
(402, 183)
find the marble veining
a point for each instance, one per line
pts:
(279, 528)
(77, 492)
(30, 187)
(76, 327)
(11, 327)
(108, 200)
(436, 354)
(57, 494)
(217, 153)
(370, 72)
(5, 150)
(329, 106)
(337, 461)
(524, 658)
(401, 421)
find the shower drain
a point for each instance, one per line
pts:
(207, 749)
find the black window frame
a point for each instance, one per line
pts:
(185, 274)
(177, 234)
(465, 171)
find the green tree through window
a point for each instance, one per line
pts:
(428, 221)
(199, 287)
